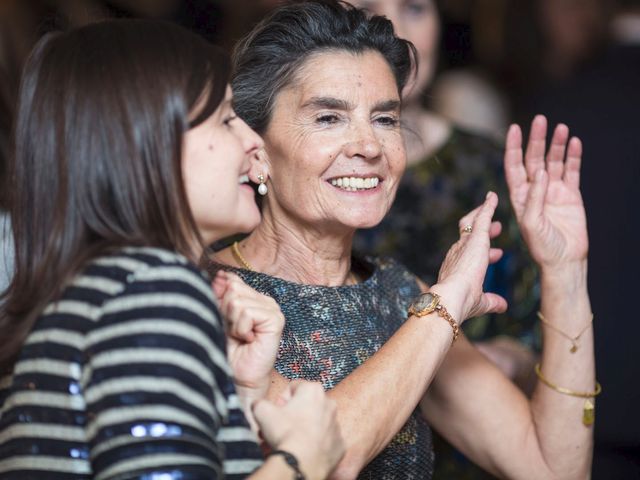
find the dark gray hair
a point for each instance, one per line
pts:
(268, 58)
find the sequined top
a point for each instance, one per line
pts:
(330, 331)
(126, 377)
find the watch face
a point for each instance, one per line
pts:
(424, 301)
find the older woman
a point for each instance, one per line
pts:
(322, 83)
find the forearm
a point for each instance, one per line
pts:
(377, 398)
(564, 440)
(375, 401)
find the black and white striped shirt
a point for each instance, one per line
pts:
(126, 377)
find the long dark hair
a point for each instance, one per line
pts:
(101, 116)
(268, 58)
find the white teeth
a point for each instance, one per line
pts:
(243, 179)
(353, 184)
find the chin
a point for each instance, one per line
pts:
(364, 221)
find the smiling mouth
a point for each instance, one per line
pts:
(355, 184)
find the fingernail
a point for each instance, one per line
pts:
(488, 194)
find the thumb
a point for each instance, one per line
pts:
(491, 303)
(265, 412)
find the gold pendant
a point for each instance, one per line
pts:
(573, 349)
(588, 413)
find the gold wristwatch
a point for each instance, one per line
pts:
(429, 303)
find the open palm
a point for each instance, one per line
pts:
(545, 193)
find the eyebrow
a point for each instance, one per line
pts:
(332, 103)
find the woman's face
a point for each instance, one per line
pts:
(334, 147)
(215, 165)
(418, 22)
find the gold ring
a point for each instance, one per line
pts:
(466, 229)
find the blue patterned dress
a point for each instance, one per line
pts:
(330, 331)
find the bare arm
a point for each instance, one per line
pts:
(500, 429)
(377, 398)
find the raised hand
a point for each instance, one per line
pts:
(465, 266)
(254, 324)
(545, 193)
(305, 424)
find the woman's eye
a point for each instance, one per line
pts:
(387, 121)
(227, 121)
(417, 7)
(327, 119)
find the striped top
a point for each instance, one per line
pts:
(126, 377)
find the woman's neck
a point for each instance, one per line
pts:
(286, 249)
(428, 131)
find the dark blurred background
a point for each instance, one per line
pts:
(501, 61)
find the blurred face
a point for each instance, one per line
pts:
(215, 165)
(418, 22)
(572, 26)
(334, 148)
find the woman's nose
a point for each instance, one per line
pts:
(251, 141)
(363, 143)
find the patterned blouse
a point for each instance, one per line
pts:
(126, 377)
(330, 331)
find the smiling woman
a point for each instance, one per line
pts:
(322, 82)
(331, 124)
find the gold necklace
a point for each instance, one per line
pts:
(239, 258)
(247, 266)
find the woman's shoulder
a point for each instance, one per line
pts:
(388, 272)
(128, 283)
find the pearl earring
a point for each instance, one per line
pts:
(262, 188)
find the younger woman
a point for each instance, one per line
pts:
(129, 159)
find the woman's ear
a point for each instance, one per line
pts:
(259, 166)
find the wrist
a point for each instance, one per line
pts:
(452, 299)
(290, 461)
(567, 279)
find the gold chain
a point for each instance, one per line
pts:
(574, 340)
(239, 258)
(235, 250)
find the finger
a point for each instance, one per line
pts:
(265, 412)
(495, 254)
(219, 286)
(534, 157)
(555, 157)
(305, 390)
(514, 170)
(241, 327)
(495, 229)
(573, 164)
(492, 303)
(469, 217)
(235, 278)
(482, 222)
(534, 207)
